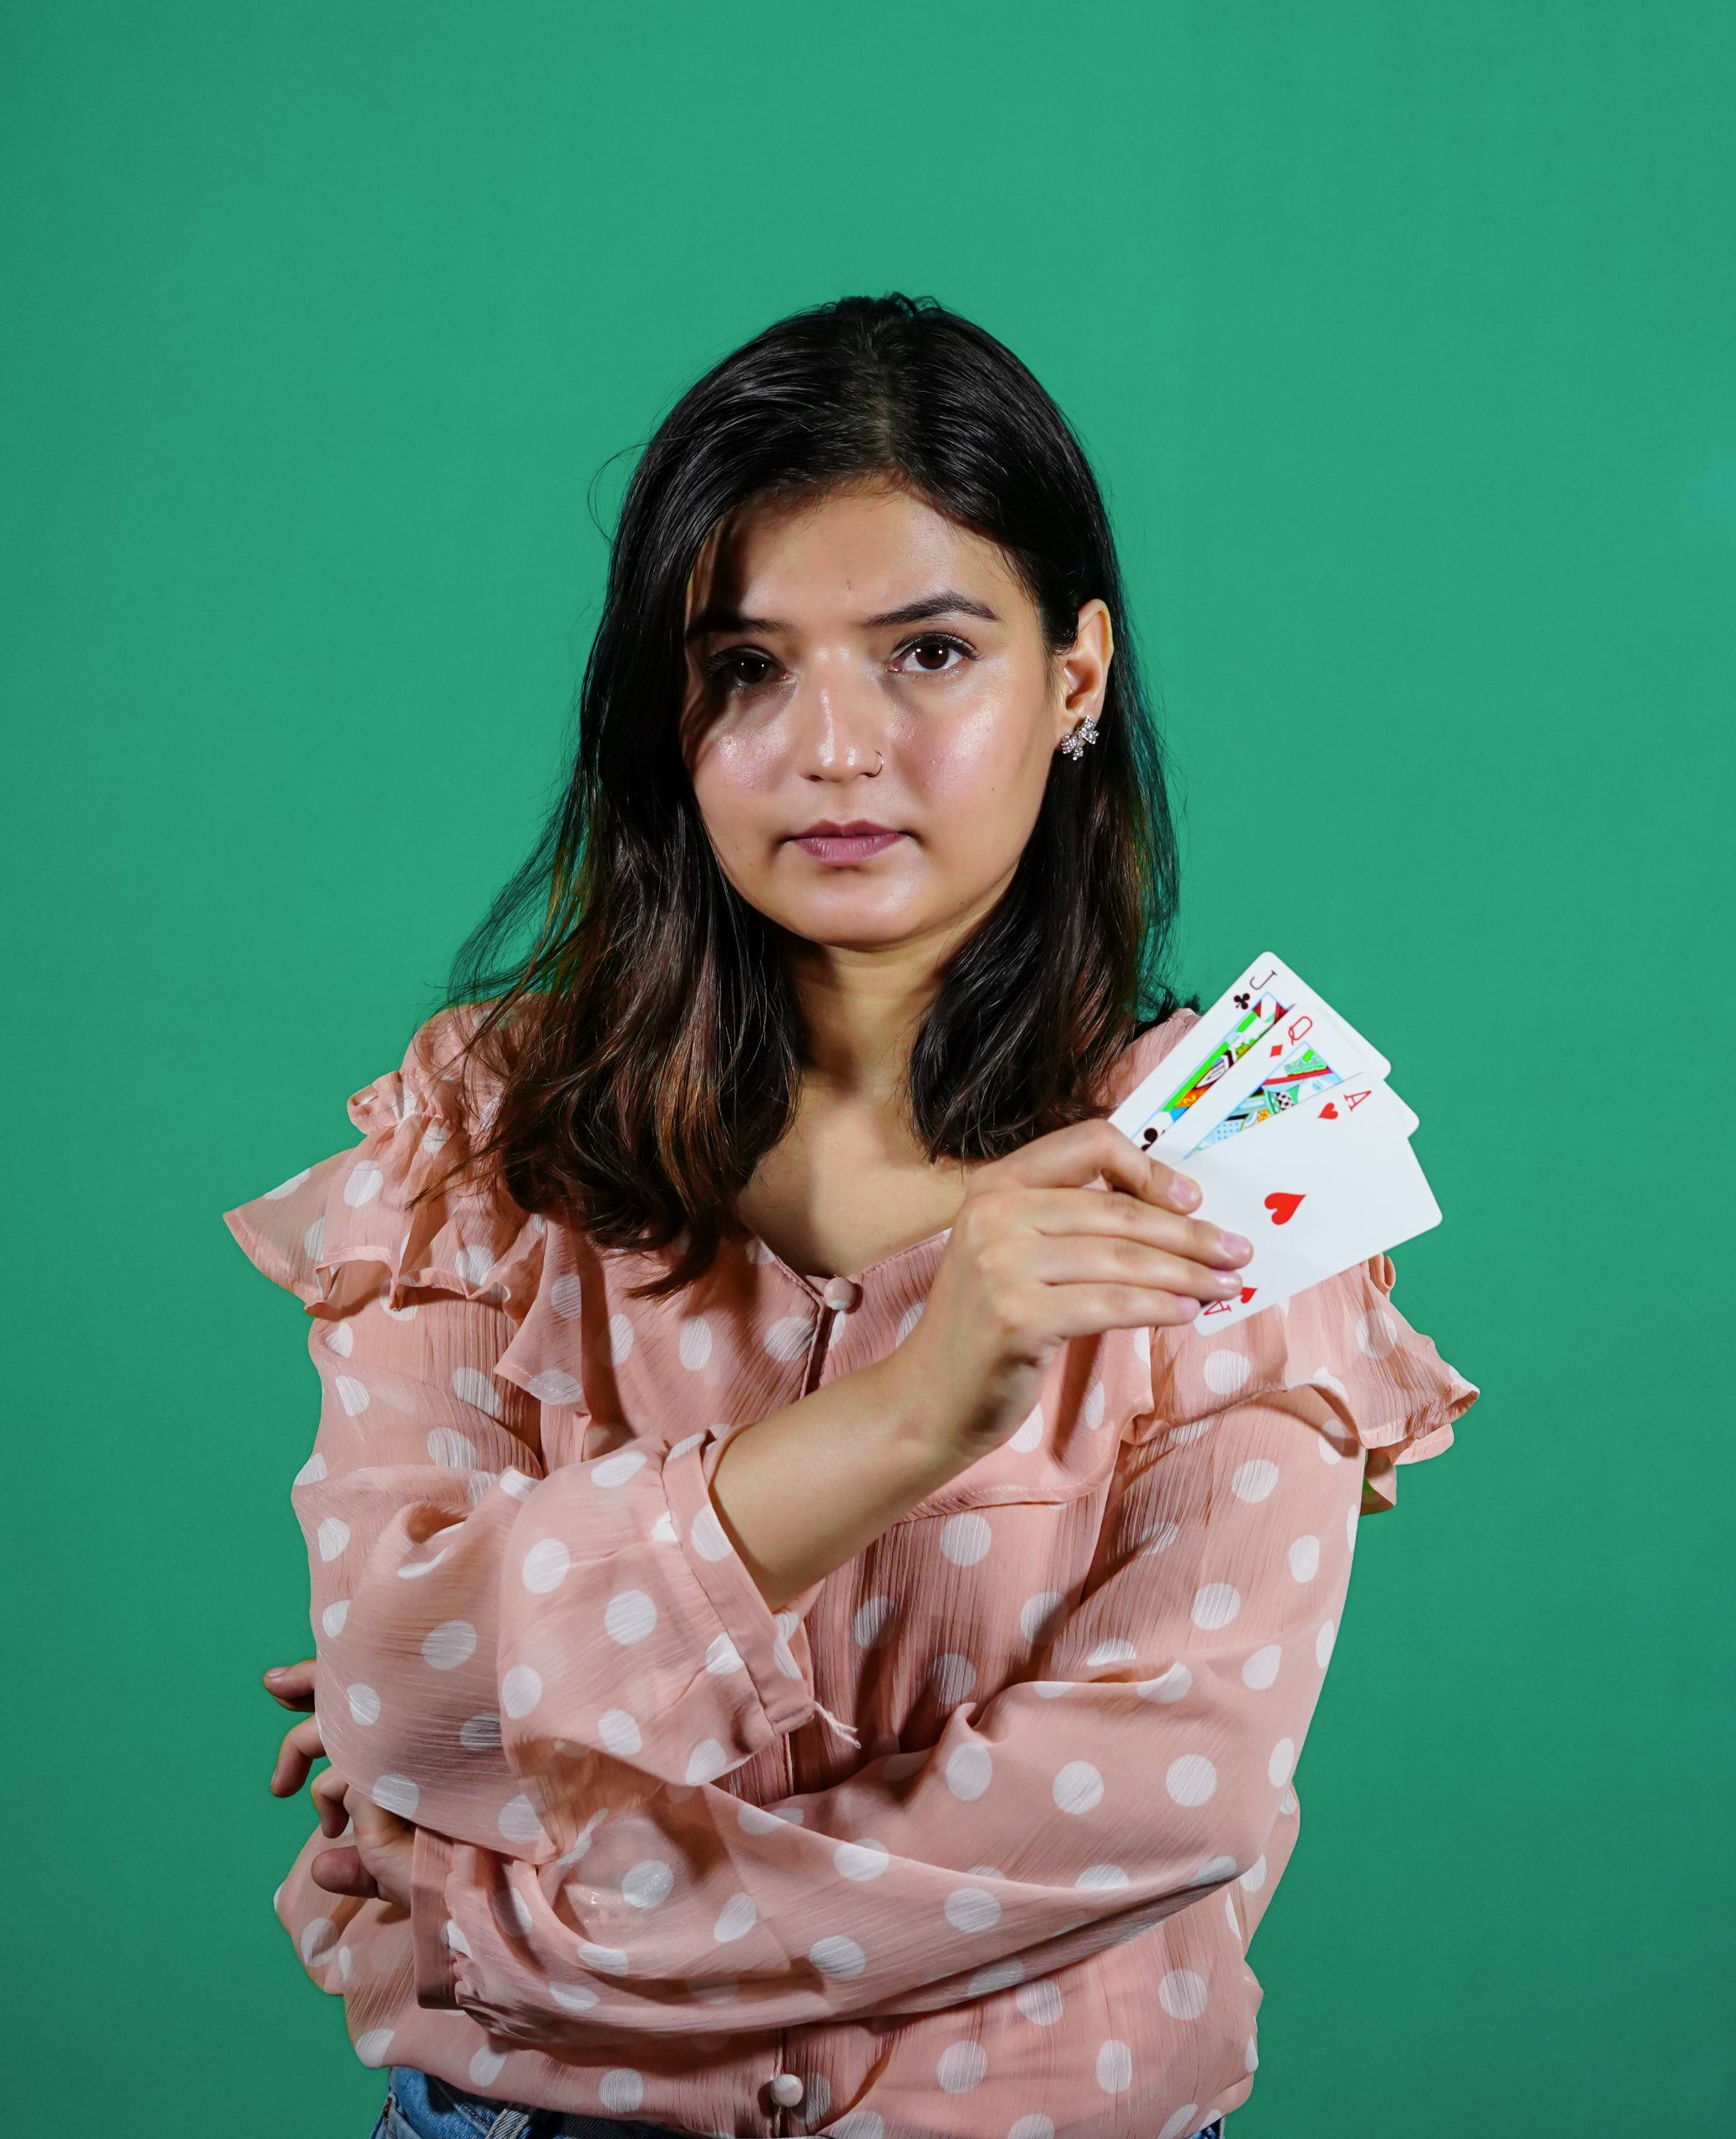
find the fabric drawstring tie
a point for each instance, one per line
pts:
(844, 1728)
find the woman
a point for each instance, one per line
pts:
(809, 1637)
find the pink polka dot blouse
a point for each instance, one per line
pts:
(970, 1838)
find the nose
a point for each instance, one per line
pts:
(836, 721)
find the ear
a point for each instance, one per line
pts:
(1085, 669)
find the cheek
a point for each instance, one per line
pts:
(735, 779)
(978, 769)
(746, 760)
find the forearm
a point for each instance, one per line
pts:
(807, 1488)
(1180, 1740)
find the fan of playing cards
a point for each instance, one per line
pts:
(1280, 1109)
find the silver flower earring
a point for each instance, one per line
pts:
(1074, 745)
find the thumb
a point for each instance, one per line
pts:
(342, 1872)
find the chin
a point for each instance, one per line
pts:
(841, 936)
(842, 929)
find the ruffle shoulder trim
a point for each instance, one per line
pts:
(357, 1207)
(1374, 1379)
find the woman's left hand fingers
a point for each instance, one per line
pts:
(380, 1848)
(291, 1684)
(386, 1845)
(329, 1793)
(342, 1872)
(302, 1747)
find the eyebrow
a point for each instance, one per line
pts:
(946, 602)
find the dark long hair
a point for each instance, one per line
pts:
(648, 1046)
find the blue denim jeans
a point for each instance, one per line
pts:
(420, 2106)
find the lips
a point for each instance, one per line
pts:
(845, 843)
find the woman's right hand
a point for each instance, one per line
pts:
(1038, 1256)
(291, 1686)
(373, 1857)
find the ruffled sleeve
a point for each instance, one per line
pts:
(484, 1607)
(1378, 1385)
(355, 1206)
(422, 1461)
(1374, 1386)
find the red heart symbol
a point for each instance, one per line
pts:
(1329, 1112)
(1282, 1206)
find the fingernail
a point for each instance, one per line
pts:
(1234, 1244)
(279, 1671)
(1187, 1192)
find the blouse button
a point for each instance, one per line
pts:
(786, 2089)
(843, 1294)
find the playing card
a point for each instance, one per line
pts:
(1207, 1051)
(1307, 1042)
(1301, 1077)
(1263, 1026)
(1302, 1080)
(1318, 1190)
(1348, 1095)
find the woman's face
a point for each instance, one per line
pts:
(829, 636)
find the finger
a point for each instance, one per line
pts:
(376, 1828)
(365, 1818)
(328, 1794)
(342, 1872)
(1075, 1156)
(1109, 1211)
(384, 1841)
(1089, 1310)
(292, 1684)
(1113, 1259)
(302, 1747)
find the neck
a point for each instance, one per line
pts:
(860, 1012)
(860, 1009)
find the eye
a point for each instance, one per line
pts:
(943, 642)
(725, 669)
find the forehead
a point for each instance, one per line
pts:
(852, 550)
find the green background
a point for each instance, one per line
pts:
(1404, 340)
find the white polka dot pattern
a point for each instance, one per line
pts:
(1062, 1704)
(1191, 1779)
(1260, 1669)
(1182, 1994)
